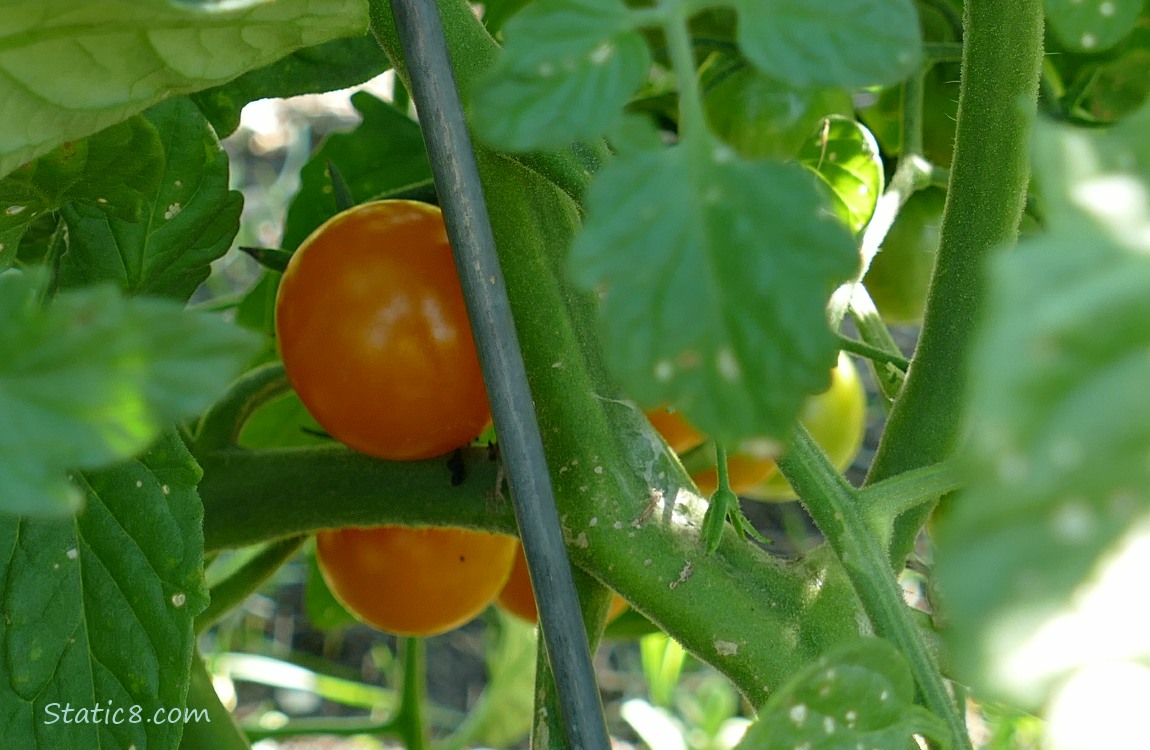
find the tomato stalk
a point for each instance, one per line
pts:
(1002, 59)
(408, 721)
(885, 501)
(836, 509)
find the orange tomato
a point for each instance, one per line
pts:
(680, 434)
(414, 581)
(518, 598)
(743, 472)
(375, 337)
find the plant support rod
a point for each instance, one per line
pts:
(453, 164)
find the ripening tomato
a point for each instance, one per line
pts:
(680, 434)
(899, 275)
(375, 337)
(518, 598)
(743, 473)
(836, 419)
(414, 581)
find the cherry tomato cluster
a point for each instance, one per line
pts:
(376, 341)
(836, 419)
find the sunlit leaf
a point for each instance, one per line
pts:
(845, 156)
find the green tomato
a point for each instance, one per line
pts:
(899, 275)
(836, 419)
(761, 117)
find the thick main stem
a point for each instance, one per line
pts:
(1002, 57)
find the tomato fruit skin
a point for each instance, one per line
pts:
(836, 419)
(518, 598)
(743, 473)
(680, 434)
(414, 581)
(375, 337)
(899, 275)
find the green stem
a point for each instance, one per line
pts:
(1002, 57)
(873, 353)
(219, 731)
(409, 721)
(836, 510)
(229, 592)
(220, 427)
(256, 496)
(911, 115)
(885, 501)
(692, 120)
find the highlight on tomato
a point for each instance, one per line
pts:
(836, 419)
(375, 337)
(518, 598)
(419, 581)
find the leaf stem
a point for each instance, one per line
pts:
(885, 501)
(409, 720)
(229, 592)
(836, 510)
(692, 119)
(873, 353)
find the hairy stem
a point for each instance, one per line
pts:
(1002, 56)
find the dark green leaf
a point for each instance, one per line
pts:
(384, 154)
(859, 694)
(567, 70)
(337, 64)
(113, 170)
(72, 69)
(92, 379)
(98, 610)
(714, 276)
(1092, 25)
(805, 43)
(845, 156)
(496, 12)
(189, 216)
(1039, 556)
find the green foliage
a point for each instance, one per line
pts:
(112, 171)
(844, 154)
(858, 694)
(801, 43)
(121, 58)
(332, 65)
(98, 609)
(714, 274)
(1092, 25)
(188, 216)
(1037, 558)
(759, 116)
(567, 70)
(93, 378)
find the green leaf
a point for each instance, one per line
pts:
(71, 69)
(760, 116)
(98, 610)
(714, 275)
(333, 65)
(859, 694)
(1092, 25)
(567, 70)
(113, 169)
(496, 13)
(189, 216)
(92, 379)
(858, 43)
(845, 156)
(1038, 557)
(383, 154)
